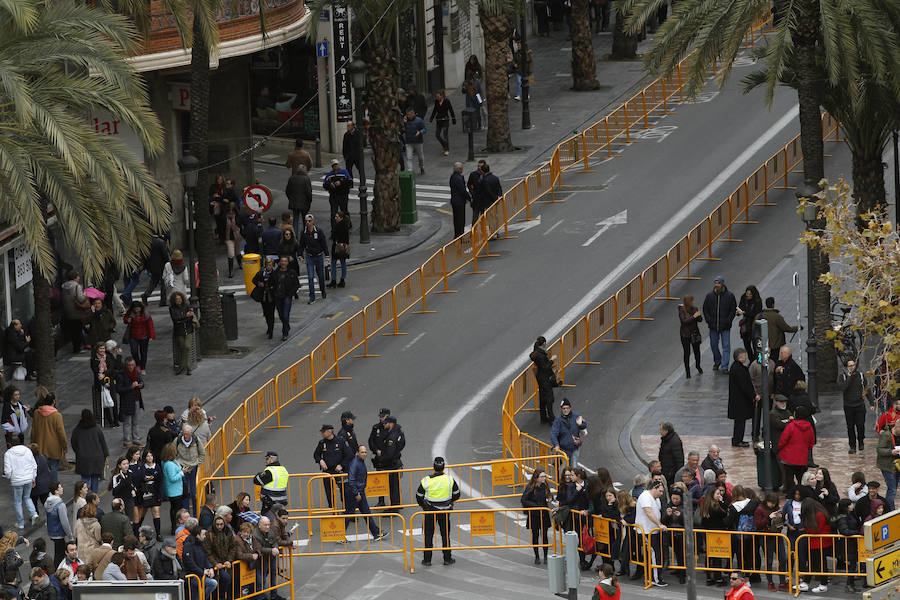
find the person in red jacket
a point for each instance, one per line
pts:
(740, 589)
(887, 419)
(608, 587)
(814, 518)
(794, 445)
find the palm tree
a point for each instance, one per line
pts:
(496, 23)
(804, 30)
(584, 68)
(52, 162)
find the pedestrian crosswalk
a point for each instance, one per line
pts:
(434, 196)
(238, 289)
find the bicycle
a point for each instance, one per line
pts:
(849, 338)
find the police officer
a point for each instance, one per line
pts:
(347, 433)
(376, 443)
(394, 442)
(333, 455)
(436, 494)
(274, 482)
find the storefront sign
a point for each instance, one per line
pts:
(343, 100)
(181, 96)
(105, 124)
(23, 265)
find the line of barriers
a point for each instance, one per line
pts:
(242, 580)
(298, 383)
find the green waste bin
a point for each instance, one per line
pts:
(774, 474)
(408, 211)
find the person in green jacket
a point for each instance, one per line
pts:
(888, 451)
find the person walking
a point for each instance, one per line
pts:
(742, 398)
(689, 332)
(263, 293)
(443, 112)
(91, 451)
(20, 468)
(856, 394)
(130, 385)
(567, 431)
(337, 182)
(719, 309)
(474, 185)
(545, 374)
(14, 417)
(671, 451)
(75, 307)
(340, 247)
(776, 324)
(537, 496)
(48, 432)
(154, 264)
(357, 476)
(352, 151)
(749, 309)
(332, 454)
(139, 331)
(189, 454)
(284, 284)
(175, 274)
(299, 194)
(414, 136)
(274, 482)
(298, 157)
(436, 494)
(314, 246)
(182, 330)
(233, 241)
(99, 325)
(459, 197)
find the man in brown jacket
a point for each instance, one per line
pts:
(265, 539)
(100, 556)
(48, 433)
(298, 156)
(777, 326)
(132, 567)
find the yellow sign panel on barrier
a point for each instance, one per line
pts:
(332, 530)
(248, 574)
(882, 532)
(503, 474)
(377, 485)
(718, 545)
(481, 523)
(601, 532)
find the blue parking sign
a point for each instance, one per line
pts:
(322, 49)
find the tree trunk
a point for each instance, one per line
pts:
(212, 330)
(496, 29)
(584, 69)
(385, 123)
(624, 46)
(868, 180)
(43, 343)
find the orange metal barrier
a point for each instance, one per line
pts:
(477, 530)
(844, 557)
(331, 535)
(242, 582)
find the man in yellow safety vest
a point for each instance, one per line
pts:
(274, 482)
(437, 493)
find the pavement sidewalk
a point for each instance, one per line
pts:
(556, 112)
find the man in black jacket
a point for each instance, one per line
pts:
(346, 432)
(787, 373)
(854, 388)
(377, 437)
(491, 189)
(742, 397)
(332, 454)
(394, 443)
(314, 246)
(671, 451)
(474, 185)
(459, 197)
(283, 284)
(352, 149)
(154, 263)
(299, 193)
(719, 309)
(196, 562)
(443, 112)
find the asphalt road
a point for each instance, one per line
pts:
(446, 379)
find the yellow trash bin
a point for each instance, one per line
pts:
(251, 267)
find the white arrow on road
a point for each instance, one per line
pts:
(525, 225)
(617, 219)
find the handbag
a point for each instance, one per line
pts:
(745, 328)
(587, 540)
(695, 337)
(148, 498)
(257, 294)
(341, 251)
(126, 336)
(106, 398)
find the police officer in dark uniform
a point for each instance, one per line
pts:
(333, 455)
(376, 443)
(394, 443)
(347, 433)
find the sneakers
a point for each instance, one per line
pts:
(659, 583)
(379, 537)
(34, 518)
(820, 589)
(802, 587)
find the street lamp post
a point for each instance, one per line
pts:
(358, 69)
(189, 167)
(810, 215)
(526, 69)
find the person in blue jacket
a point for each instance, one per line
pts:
(566, 432)
(414, 136)
(356, 491)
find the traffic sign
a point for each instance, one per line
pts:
(882, 532)
(257, 198)
(883, 567)
(322, 49)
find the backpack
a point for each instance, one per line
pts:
(11, 562)
(745, 523)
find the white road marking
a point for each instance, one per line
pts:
(525, 225)
(415, 339)
(619, 218)
(486, 280)
(431, 203)
(337, 403)
(554, 226)
(503, 376)
(610, 180)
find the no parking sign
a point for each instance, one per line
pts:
(257, 198)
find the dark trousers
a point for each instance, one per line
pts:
(757, 420)
(459, 218)
(793, 473)
(267, 571)
(477, 209)
(363, 505)
(539, 532)
(329, 497)
(393, 487)
(737, 435)
(444, 526)
(59, 549)
(686, 345)
(269, 313)
(355, 162)
(442, 133)
(139, 351)
(74, 329)
(284, 313)
(545, 403)
(771, 547)
(856, 424)
(155, 280)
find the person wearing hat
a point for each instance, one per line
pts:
(274, 482)
(337, 182)
(436, 494)
(863, 507)
(332, 454)
(376, 443)
(719, 309)
(346, 432)
(779, 417)
(357, 477)
(166, 565)
(568, 429)
(314, 247)
(394, 443)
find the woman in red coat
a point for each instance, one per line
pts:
(814, 518)
(608, 587)
(794, 445)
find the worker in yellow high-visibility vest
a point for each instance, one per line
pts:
(274, 482)
(437, 493)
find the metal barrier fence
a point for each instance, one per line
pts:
(351, 338)
(602, 323)
(476, 530)
(847, 555)
(241, 582)
(330, 535)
